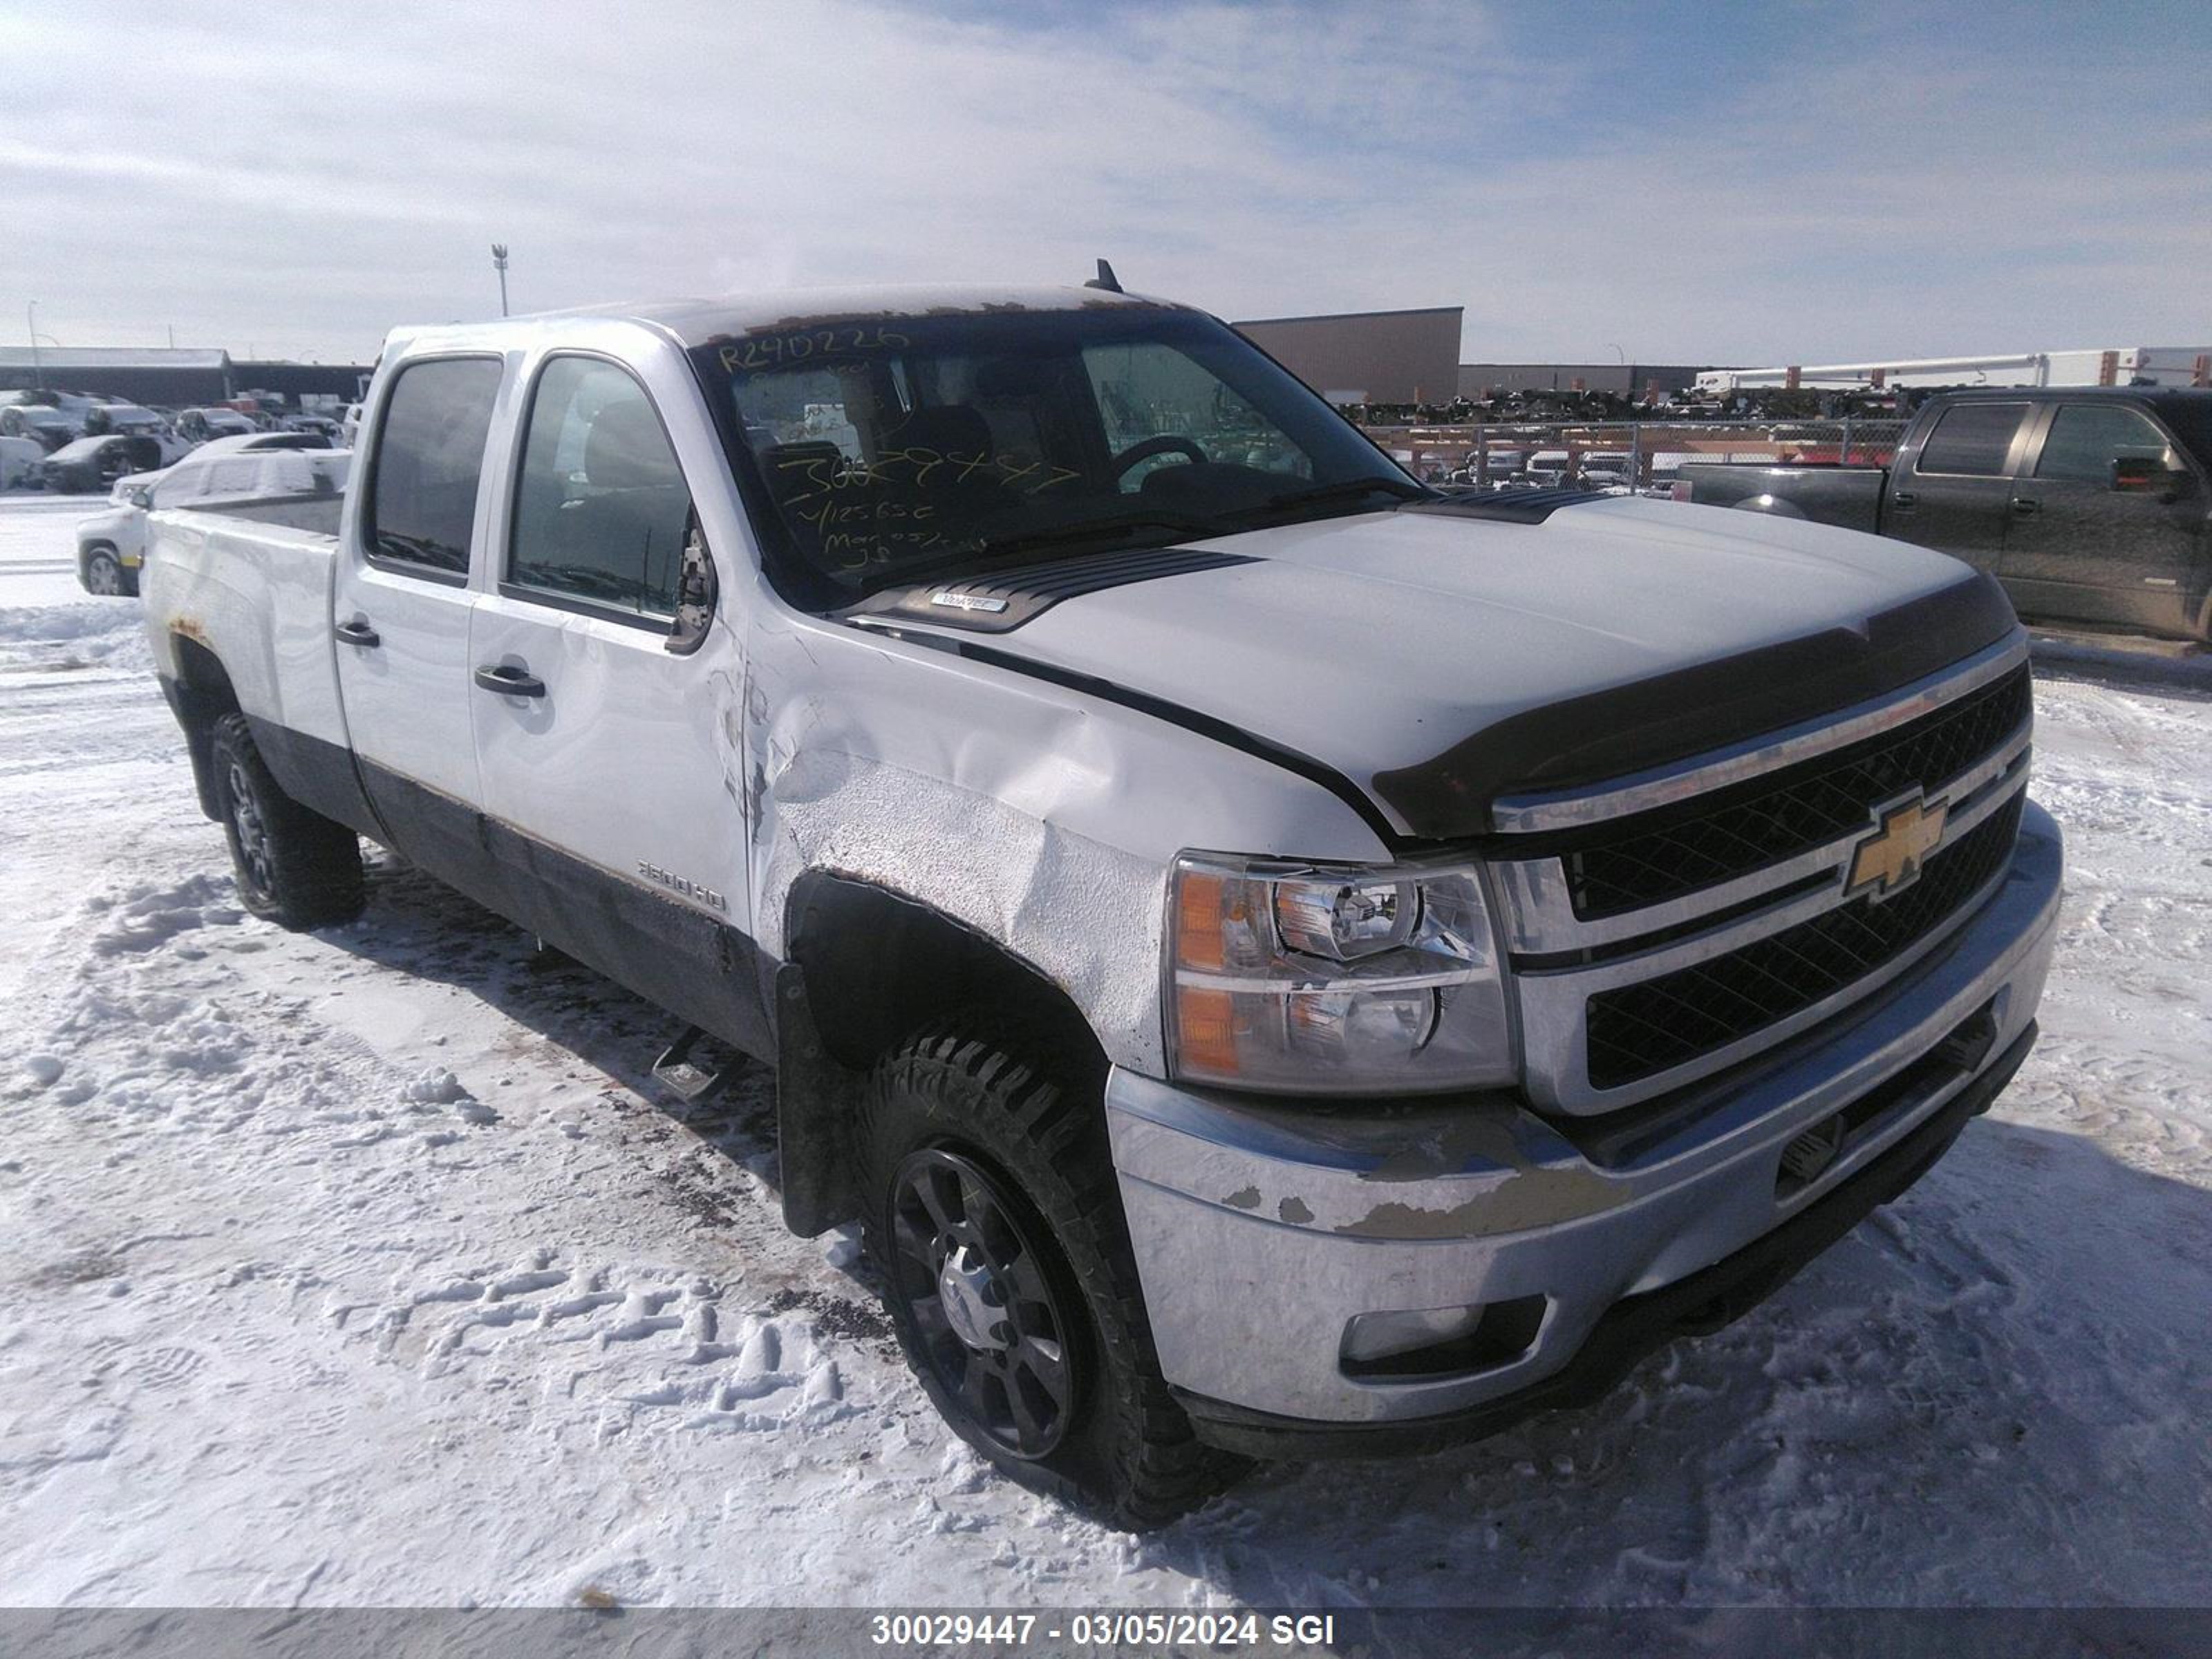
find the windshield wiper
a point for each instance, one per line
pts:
(1350, 489)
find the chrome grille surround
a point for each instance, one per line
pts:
(1561, 960)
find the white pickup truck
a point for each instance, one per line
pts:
(1282, 962)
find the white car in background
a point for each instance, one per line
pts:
(48, 425)
(22, 460)
(110, 545)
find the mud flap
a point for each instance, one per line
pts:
(815, 1099)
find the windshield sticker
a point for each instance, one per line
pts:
(779, 350)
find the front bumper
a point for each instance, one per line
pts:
(1262, 1230)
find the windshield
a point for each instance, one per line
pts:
(877, 452)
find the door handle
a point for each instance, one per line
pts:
(357, 633)
(511, 681)
(2022, 507)
(1904, 498)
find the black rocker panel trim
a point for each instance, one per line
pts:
(704, 971)
(321, 776)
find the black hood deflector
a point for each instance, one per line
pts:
(1631, 728)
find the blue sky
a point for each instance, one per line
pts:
(1687, 183)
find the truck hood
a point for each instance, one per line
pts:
(1439, 662)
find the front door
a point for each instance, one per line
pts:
(2110, 526)
(1956, 494)
(613, 767)
(401, 617)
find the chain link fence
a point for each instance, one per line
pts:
(1638, 455)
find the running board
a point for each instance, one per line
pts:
(677, 1071)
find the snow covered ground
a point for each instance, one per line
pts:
(366, 1268)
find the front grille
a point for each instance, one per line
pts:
(1738, 831)
(1638, 1031)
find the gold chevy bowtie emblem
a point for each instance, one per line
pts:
(1889, 860)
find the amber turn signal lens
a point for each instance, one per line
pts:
(1206, 1028)
(1198, 921)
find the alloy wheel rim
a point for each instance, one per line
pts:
(993, 1331)
(105, 580)
(252, 833)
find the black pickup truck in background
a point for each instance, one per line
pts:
(2091, 506)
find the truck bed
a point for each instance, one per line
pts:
(250, 583)
(1826, 492)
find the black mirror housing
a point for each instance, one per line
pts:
(696, 591)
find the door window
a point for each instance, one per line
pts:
(2087, 439)
(428, 460)
(601, 510)
(1973, 439)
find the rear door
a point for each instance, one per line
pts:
(613, 779)
(1954, 492)
(401, 615)
(2107, 524)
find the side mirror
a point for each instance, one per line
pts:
(2145, 475)
(696, 589)
(140, 497)
(2135, 473)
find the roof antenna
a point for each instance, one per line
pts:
(1105, 279)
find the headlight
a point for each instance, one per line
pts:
(1312, 979)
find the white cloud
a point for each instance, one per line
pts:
(302, 181)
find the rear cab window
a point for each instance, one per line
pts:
(427, 462)
(1973, 439)
(2086, 441)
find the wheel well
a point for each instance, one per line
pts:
(879, 965)
(867, 967)
(202, 695)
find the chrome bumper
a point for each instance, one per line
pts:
(1261, 1229)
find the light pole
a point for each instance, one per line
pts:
(499, 264)
(38, 376)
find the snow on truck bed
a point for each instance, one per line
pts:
(364, 1267)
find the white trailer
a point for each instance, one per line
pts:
(2169, 366)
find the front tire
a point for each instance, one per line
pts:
(295, 867)
(995, 1220)
(104, 574)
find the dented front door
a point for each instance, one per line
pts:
(611, 766)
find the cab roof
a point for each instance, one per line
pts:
(713, 320)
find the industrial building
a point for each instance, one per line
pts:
(1482, 381)
(172, 378)
(1368, 356)
(2184, 366)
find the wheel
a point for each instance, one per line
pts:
(295, 867)
(997, 1226)
(103, 573)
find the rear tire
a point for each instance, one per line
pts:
(295, 867)
(994, 1217)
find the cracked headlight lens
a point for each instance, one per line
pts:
(1311, 979)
